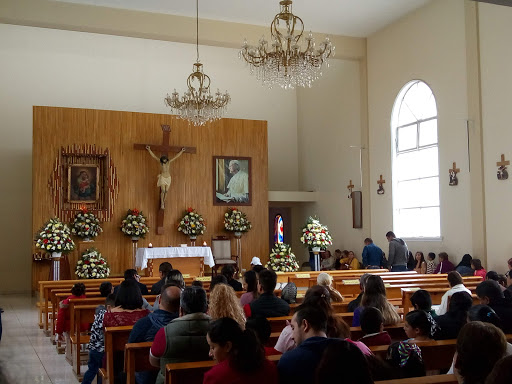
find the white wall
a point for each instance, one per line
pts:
(85, 70)
(329, 122)
(495, 58)
(428, 45)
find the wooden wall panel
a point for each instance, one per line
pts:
(192, 182)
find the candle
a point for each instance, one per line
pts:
(204, 244)
(150, 245)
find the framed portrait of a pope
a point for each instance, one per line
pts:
(231, 180)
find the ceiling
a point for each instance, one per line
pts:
(357, 18)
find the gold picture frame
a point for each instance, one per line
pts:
(83, 183)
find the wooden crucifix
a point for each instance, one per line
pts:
(453, 175)
(164, 178)
(380, 190)
(502, 173)
(350, 188)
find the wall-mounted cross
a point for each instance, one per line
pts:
(350, 188)
(381, 181)
(454, 169)
(503, 162)
(164, 150)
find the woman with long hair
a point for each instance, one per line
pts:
(464, 267)
(476, 264)
(421, 264)
(225, 303)
(239, 355)
(318, 296)
(375, 296)
(127, 310)
(457, 316)
(250, 284)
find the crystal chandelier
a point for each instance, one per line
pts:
(285, 63)
(197, 105)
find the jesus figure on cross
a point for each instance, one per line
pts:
(164, 178)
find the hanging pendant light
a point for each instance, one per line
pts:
(197, 105)
(285, 63)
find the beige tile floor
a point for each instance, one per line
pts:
(26, 354)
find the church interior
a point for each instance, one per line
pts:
(84, 79)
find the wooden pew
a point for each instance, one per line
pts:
(435, 379)
(437, 355)
(301, 279)
(136, 359)
(82, 314)
(115, 340)
(45, 288)
(396, 332)
(278, 323)
(193, 372)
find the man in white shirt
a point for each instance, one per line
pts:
(238, 186)
(456, 284)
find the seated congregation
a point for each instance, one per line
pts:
(253, 335)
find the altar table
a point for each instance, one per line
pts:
(189, 260)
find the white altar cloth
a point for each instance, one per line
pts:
(143, 254)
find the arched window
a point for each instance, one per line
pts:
(278, 229)
(415, 163)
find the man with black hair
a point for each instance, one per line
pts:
(132, 274)
(489, 293)
(267, 304)
(456, 285)
(309, 325)
(398, 253)
(372, 255)
(217, 279)
(229, 272)
(163, 270)
(183, 339)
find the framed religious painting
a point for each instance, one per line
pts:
(232, 180)
(83, 183)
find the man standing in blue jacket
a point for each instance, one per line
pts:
(372, 255)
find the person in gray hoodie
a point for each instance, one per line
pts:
(397, 256)
(146, 328)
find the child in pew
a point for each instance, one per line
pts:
(422, 300)
(96, 342)
(419, 326)
(431, 263)
(77, 292)
(372, 325)
(406, 360)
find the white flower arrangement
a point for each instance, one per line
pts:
(315, 234)
(54, 237)
(92, 265)
(86, 224)
(236, 221)
(282, 259)
(192, 223)
(134, 224)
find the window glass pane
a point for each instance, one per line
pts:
(416, 164)
(417, 193)
(419, 222)
(428, 132)
(427, 163)
(407, 137)
(405, 116)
